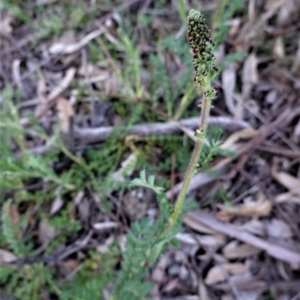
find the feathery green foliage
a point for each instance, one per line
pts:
(10, 232)
(94, 275)
(212, 148)
(225, 11)
(164, 85)
(145, 243)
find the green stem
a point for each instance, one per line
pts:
(184, 102)
(193, 162)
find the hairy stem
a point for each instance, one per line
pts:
(194, 160)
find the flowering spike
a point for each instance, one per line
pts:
(202, 48)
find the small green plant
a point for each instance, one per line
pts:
(146, 242)
(94, 275)
(165, 86)
(224, 12)
(205, 71)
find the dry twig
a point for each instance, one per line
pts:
(275, 251)
(94, 135)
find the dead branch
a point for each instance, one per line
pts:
(275, 251)
(94, 135)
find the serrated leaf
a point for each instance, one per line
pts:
(139, 288)
(175, 243)
(136, 181)
(171, 232)
(151, 180)
(157, 250)
(143, 176)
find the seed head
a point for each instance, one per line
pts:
(202, 48)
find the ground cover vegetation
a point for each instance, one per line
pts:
(100, 117)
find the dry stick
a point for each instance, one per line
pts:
(259, 285)
(275, 251)
(296, 297)
(100, 134)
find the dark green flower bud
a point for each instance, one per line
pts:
(202, 48)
